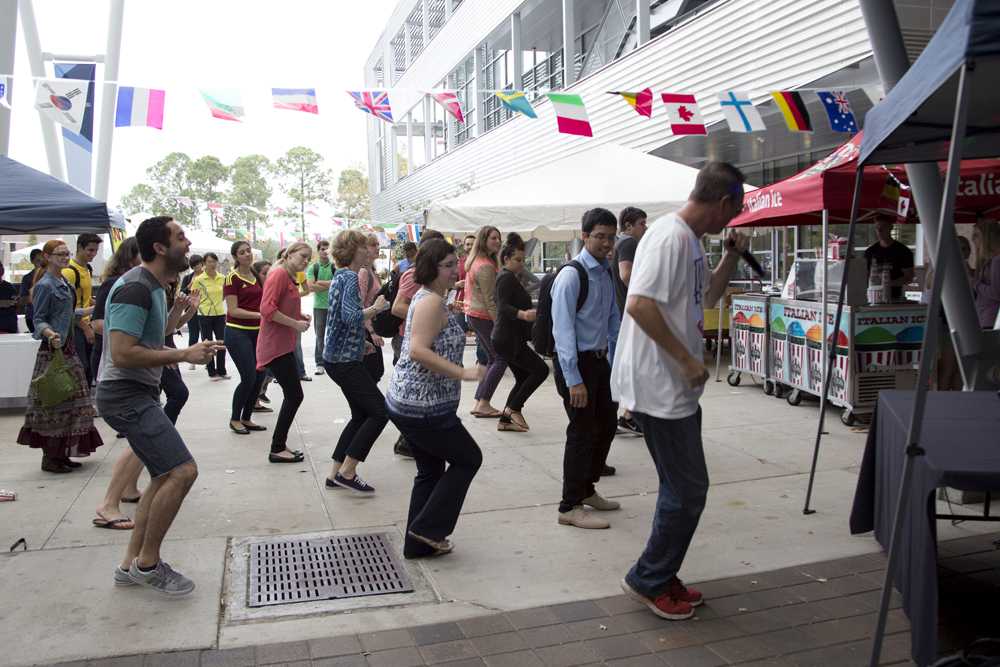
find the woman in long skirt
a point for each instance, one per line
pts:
(67, 429)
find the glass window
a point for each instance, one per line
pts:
(439, 128)
(418, 156)
(554, 255)
(463, 81)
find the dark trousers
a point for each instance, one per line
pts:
(242, 347)
(213, 327)
(319, 328)
(530, 371)
(194, 329)
(676, 448)
(438, 492)
(173, 387)
(286, 372)
(368, 414)
(84, 350)
(95, 355)
(590, 431)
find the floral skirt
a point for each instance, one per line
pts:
(66, 429)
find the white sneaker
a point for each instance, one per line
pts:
(602, 504)
(581, 518)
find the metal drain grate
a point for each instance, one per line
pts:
(284, 571)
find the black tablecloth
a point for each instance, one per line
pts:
(961, 437)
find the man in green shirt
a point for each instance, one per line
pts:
(318, 277)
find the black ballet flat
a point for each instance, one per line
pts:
(243, 430)
(254, 427)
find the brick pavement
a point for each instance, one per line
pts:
(818, 614)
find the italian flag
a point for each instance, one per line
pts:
(571, 116)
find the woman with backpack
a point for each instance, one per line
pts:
(511, 333)
(481, 312)
(422, 402)
(342, 359)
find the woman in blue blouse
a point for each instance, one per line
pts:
(343, 356)
(66, 429)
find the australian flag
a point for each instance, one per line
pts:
(838, 108)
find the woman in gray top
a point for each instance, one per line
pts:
(66, 429)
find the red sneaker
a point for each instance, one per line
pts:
(681, 592)
(665, 606)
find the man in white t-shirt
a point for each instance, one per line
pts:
(659, 374)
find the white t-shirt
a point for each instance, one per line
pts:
(669, 268)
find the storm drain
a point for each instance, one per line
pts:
(285, 571)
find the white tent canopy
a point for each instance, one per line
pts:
(553, 197)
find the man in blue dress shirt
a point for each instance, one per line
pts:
(583, 371)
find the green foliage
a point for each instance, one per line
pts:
(304, 179)
(249, 194)
(353, 198)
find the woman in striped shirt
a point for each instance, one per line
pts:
(342, 358)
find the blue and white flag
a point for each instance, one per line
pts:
(838, 108)
(741, 114)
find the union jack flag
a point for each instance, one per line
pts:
(375, 102)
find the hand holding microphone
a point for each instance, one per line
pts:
(739, 244)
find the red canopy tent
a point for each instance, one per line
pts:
(827, 185)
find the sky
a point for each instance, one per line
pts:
(183, 45)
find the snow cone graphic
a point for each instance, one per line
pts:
(875, 350)
(741, 344)
(841, 368)
(796, 354)
(814, 346)
(778, 347)
(758, 339)
(909, 347)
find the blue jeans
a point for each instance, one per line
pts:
(242, 346)
(676, 448)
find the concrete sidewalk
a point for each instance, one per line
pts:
(510, 553)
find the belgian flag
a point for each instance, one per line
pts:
(794, 110)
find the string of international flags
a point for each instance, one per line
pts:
(64, 101)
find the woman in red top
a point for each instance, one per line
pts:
(281, 321)
(242, 291)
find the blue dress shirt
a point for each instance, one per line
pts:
(595, 327)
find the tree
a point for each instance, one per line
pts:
(353, 198)
(304, 179)
(249, 193)
(140, 199)
(205, 176)
(168, 179)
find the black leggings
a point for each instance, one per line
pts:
(286, 372)
(213, 327)
(172, 385)
(368, 414)
(242, 346)
(530, 371)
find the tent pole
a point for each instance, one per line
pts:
(718, 341)
(832, 352)
(946, 228)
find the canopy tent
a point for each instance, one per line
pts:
(825, 186)
(914, 121)
(551, 199)
(35, 203)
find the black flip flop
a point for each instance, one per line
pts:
(280, 459)
(113, 524)
(254, 427)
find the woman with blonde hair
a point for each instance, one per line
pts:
(67, 429)
(281, 321)
(481, 268)
(343, 352)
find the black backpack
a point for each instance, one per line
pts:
(386, 324)
(541, 333)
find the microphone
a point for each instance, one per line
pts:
(748, 258)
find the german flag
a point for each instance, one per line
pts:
(793, 109)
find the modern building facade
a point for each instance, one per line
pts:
(590, 47)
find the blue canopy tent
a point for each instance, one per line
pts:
(35, 203)
(946, 107)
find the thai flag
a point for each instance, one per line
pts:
(140, 107)
(295, 99)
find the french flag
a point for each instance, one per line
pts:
(295, 99)
(140, 107)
